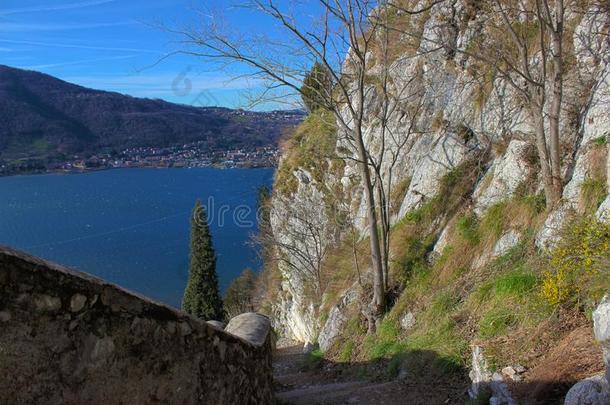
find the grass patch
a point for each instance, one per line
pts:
(468, 228)
(310, 147)
(496, 322)
(592, 193)
(517, 283)
(346, 352)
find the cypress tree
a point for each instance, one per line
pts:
(201, 296)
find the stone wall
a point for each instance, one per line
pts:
(67, 337)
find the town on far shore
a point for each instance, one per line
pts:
(190, 155)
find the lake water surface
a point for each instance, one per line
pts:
(131, 226)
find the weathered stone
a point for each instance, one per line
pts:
(548, 235)
(77, 302)
(47, 303)
(512, 373)
(102, 349)
(216, 324)
(407, 321)
(603, 212)
(184, 329)
(591, 391)
(102, 356)
(482, 378)
(336, 318)
(5, 316)
(170, 327)
(506, 242)
(503, 178)
(252, 327)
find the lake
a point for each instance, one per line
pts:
(131, 226)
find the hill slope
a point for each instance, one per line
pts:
(44, 117)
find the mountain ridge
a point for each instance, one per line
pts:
(45, 118)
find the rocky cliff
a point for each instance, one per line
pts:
(470, 166)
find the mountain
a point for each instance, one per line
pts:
(44, 118)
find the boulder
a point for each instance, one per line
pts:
(591, 391)
(253, 328)
(407, 321)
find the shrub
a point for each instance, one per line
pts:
(579, 267)
(468, 228)
(601, 141)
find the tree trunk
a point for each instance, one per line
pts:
(378, 302)
(555, 107)
(550, 191)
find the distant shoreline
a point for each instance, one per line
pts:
(101, 169)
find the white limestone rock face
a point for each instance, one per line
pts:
(445, 153)
(601, 327)
(442, 242)
(482, 378)
(336, 319)
(603, 212)
(548, 235)
(291, 221)
(506, 242)
(503, 178)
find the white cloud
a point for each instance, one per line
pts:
(77, 46)
(19, 27)
(75, 62)
(56, 7)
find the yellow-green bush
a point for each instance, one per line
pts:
(578, 268)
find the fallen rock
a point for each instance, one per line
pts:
(513, 372)
(407, 321)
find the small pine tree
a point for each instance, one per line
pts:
(317, 86)
(201, 296)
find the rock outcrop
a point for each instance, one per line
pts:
(69, 338)
(454, 123)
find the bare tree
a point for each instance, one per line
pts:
(343, 26)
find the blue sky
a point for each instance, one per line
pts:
(115, 44)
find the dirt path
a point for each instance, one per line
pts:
(335, 384)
